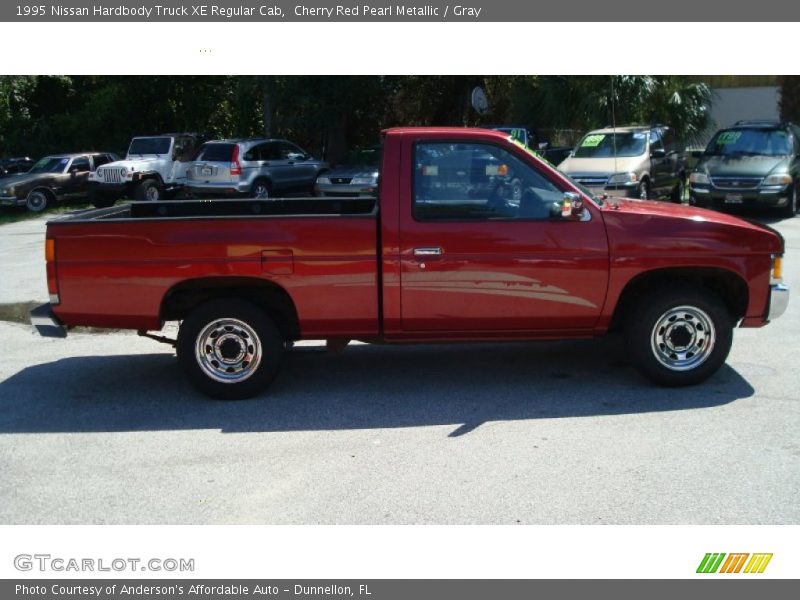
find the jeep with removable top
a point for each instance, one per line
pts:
(154, 169)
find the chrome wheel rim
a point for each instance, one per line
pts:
(683, 338)
(261, 191)
(151, 193)
(228, 350)
(36, 202)
(643, 192)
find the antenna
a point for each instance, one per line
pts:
(614, 124)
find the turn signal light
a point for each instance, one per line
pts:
(777, 268)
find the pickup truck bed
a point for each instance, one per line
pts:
(321, 251)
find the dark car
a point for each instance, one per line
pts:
(12, 166)
(752, 164)
(52, 179)
(357, 176)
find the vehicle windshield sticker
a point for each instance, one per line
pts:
(591, 141)
(728, 137)
(492, 170)
(64, 161)
(430, 170)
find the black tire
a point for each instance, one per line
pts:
(790, 209)
(677, 193)
(261, 189)
(149, 191)
(248, 332)
(37, 200)
(643, 191)
(101, 200)
(654, 341)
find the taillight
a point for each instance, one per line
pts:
(236, 168)
(52, 280)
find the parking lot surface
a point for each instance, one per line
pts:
(102, 428)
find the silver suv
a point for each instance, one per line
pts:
(256, 168)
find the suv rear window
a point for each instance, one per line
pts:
(216, 152)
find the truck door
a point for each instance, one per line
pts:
(476, 257)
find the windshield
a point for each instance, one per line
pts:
(369, 157)
(604, 145)
(50, 164)
(154, 145)
(750, 142)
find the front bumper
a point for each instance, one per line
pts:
(11, 201)
(778, 300)
(107, 189)
(46, 323)
(345, 190)
(711, 197)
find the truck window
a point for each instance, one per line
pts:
(100, 160)
(655, 140)
(472, 181)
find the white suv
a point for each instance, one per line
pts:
(154, 169)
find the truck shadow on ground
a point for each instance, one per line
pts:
(365, 387)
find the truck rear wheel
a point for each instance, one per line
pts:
(229, 349)
(148, 190)
(100, 200)
(679, 336)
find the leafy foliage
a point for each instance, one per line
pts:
(330, 114)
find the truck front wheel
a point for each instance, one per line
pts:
(148, 190)
(229, 349)
(679, 336)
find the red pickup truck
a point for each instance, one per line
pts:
(471, 238)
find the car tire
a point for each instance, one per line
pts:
(37, 201)
(643, 191)
(261, 189)
(102, 201)
(230, 349)
(149, 191)
(791, 206)
(679, 335)
(677, 193)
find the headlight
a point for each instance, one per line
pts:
(364, 181)
(776, 274)
(9, 191)
(123, 172)
(629, 177)
(780, 179)
(699, 178)
(323, 180)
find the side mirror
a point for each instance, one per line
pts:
(74, 170)
(572, 207)
(658, 153)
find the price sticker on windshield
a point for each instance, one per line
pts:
(728, 137)
(592, 141)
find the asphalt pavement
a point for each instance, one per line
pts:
(102, 428)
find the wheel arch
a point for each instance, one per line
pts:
(185, 296)
(731, 288)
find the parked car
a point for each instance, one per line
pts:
(357, 176)
(52, 179)
(154, 169)
(752, 164)
(12, 166)
(531, 140)
(430, 260)
(255, 168)
(633, 161)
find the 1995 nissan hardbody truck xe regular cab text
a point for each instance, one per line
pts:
(471, 238)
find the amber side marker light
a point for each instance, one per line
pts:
(49, 250)
(777, 268)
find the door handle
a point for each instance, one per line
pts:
(428, 251)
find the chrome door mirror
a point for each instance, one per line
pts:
(572, 206)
